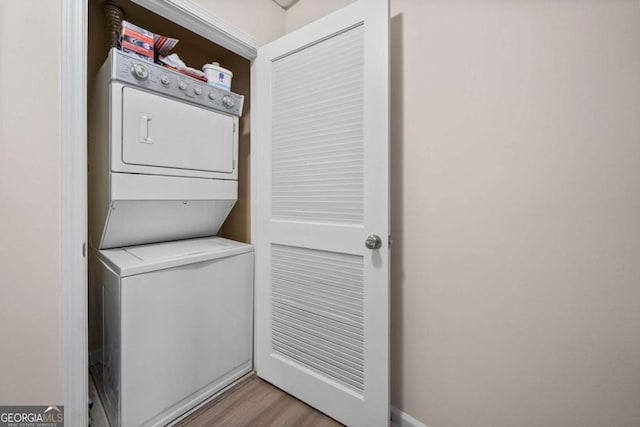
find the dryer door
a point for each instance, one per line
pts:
(161, 132)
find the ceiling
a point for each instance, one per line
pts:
(285, 4)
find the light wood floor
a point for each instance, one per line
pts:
(251, 402)
(254, 402)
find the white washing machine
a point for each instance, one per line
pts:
(178, 325)
(176, 304)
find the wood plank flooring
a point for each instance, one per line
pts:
(254, 402)
(250, 402)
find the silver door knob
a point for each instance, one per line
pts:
(373, 242)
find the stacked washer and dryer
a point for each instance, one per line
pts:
(177, 302)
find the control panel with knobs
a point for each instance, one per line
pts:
(154, 77)
(139, 71)
(228, 101)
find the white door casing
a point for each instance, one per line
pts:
(320, 132)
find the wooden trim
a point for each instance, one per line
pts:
(402, 419)
(73, 268)
(201, 22)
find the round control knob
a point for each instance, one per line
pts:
(212, 96)
(197, 90)
(182, 86)
(228, 101)
(140, 72)
(164, 80)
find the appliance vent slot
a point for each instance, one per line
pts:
(317, 304)
(318, 131)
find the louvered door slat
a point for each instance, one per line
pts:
(312, 110)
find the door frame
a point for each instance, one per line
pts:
(73, 265)
(74, 362)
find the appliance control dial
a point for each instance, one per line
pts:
(139, 71)
(212, 96)
(228, 101)
(164, 80)
(182, 86)
(197, 90)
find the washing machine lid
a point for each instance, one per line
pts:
(133, 260)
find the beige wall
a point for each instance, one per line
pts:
(306, 11)
(262, 19)
(30, 202)
(515, 211)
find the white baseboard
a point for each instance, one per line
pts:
(402, 419)
(95, 356)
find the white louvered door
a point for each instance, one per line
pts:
(320, 133)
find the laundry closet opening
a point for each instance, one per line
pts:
(195, 51)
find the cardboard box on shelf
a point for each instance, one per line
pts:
(137, 41)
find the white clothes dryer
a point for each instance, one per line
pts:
(163, 154)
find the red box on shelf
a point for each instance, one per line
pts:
(137, 41)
